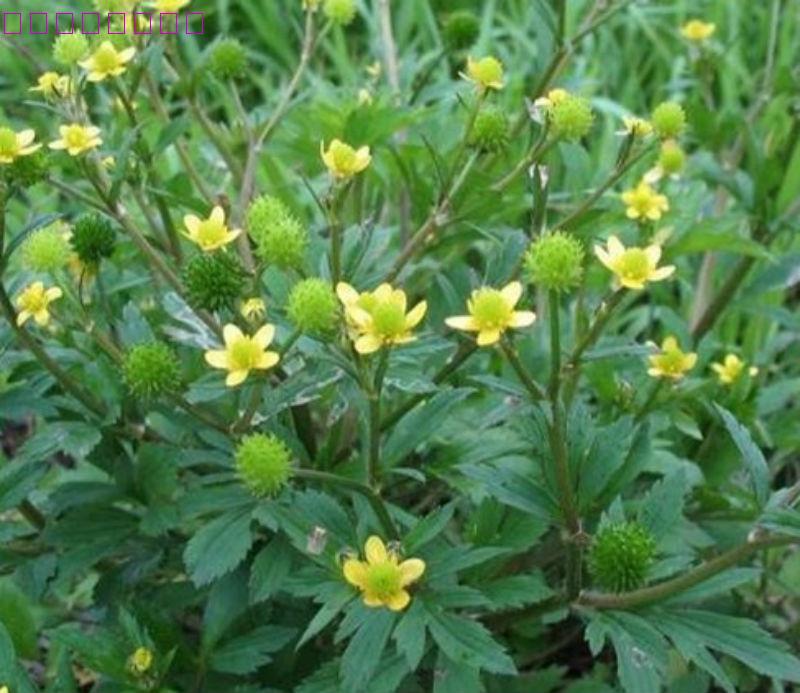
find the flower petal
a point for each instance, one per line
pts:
(488, 337)
(375, 550)
(653, 254)
(355, 572)
(231, 334)
(267, 360)
(411, 570)
(615, 247)
(398, 601)
(217, 358)
(522, 318)
(236, 378)
(462, 322)
(191, 222)
(217, 215)
(346, 293)
(416, 314)
(263, 338)
(662, 273)
(368, 344)
(511, 293)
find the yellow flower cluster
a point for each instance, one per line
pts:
(209, 234)
(671, 362)
(243, 353)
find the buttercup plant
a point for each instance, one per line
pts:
(388, 347)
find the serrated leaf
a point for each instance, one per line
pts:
(332, 606)
(246, 653)
(754, 460)
(218, 547)
(363, 654)
(410, 634)
(427, 529)
(270, 568)
(516, 591)
(663, 504)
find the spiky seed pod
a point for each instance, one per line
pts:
(672, 158)
(151, 369)
(669, 120)
(264, 464)
(460, 30)
(490, 129)
(621, 556)
(340, 11)
(313, 307)
(280, 239)
(214, 280)
(571, 118)
(26, 171)
(47, 249)
(93, 238)
(227, 59)
(68, 49)
(555, 261)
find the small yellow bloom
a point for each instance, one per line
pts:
(375, 69)
(243, 354)
(108, 162)
(491, 313)
(379, 318)
(141, 660)
(730, 369)
(16, 144)
(253, 309)
(52, 84)
(486, 73)
(364, 97)
(643, 202)
(34, 301)
(553, 98)
(342, 160)
(3, 689)
(638, 127)
(107, 61)
(383, 578)
(77, 138)
(211, 233)
(169, 6)
(697, 30)
(633, 267)
(671, 362)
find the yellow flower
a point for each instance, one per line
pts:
(243, 354)
(553, 98)
(211, 233)
(77, 138)
(3, 689)
(364, 97)
(379, 318)
(730, 369)
(342, 160)
(16, 144)
(52, 84)
(253, 309)
(141, 660)
(638, 127)
(671, 362)
(169, 6)
(696, 30)
(107, 61)
(633, 267)
(486, 73)
(644, 202)
(491, 313)
(382, 578)
(33, 302)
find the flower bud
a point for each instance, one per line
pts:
(93, 238)
(47, 249)
(621, 556)
(264, 464)
(227, 59)
(460, 30)
(68, 49)
(672, 158)
(213, 280)
(669, 120)
(151, 369)
(490, 129)
(280, 238)
(571, 118)
(555, 261)
(340, 11)
(313, 307)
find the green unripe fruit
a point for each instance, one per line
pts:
(313, 307)
(672, 158)
(93, 238)
(280, 239)
(460, 30)
(621, 556)
(68, 49)
(571, 118)
(490, 129)
(151, 369)
(264, 464)
(227, 59)
(669, 120)
(555, 261)
(47, 249)
(26, 171)
(213, 280)
(340, 11)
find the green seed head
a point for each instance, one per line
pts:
(151, 369)
(68, 49)
(25, 171)
(460, 30)
(672, 158)
(47, 249)
(571, 118)
(264, 464)
(555, 261)
(621, 556)
(490, 130)
(280, 238)
(227, 59)
(93, 238)
(213, 280)
(669, 120)
(313, 307)
(340, 11)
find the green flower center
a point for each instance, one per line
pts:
(490, 310)
(633, 264)
(383, 580)
(671, 362)
(33, 300)
(8, 141)
(344, 157)
(388, 319)
(106, 59)
(210, 232)
(244, 355)
(76, 136)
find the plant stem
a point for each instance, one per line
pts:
(533, 388)
(374, 398)
(534, 156)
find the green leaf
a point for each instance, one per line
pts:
(468, 643)
(718, 234)
(246, 653)
(662, 507)
(606, 455)
(363, 654)
(218, 547)
(410, 634)
(17, 616)
(12, 673)
(427, 529)
(516, 591)
(753, 458)
(454, 677)
(782, 520)
(270, 568)
(332, 606)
